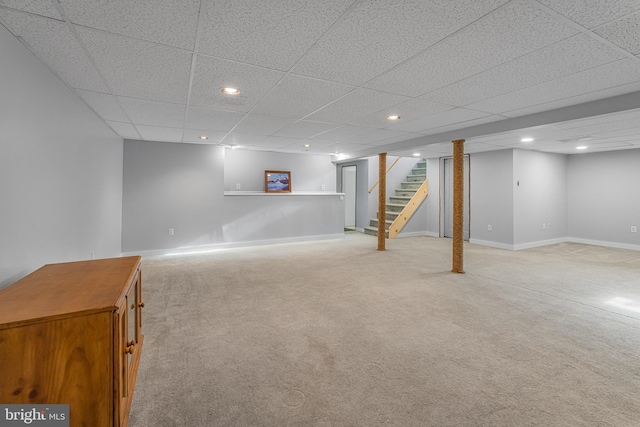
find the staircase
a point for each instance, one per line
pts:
(399, 203)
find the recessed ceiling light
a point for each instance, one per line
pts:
(416, 154)
(228, 90)
(528, 139)
(204, 137)
(581, 147)
(307, 145)
(393, 117)
(233, 147)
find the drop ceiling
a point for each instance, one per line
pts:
(327, 73)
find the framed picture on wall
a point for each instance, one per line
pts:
(277, 181)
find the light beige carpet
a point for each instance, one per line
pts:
(334, 333)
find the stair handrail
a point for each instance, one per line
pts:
(408, 211)
(378, 181)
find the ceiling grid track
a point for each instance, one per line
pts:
(75, 34)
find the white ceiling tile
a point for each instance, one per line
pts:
(400, 137)
(603, 119)
(377, 34)
(258, 124)
(611, 148)
(54, 44)
(169, 22)
(380, 136)
(613, 126)
(409, 110)
(598, 78)
(342, 133)
(591, 13)
(570, 148)
(144, 112)
(357, 103)
(211, 74)
(193, 136)
(38, 7)
(158, 133)
(623, 133)
(440, 146)
(478, 147)
(207, 118)
(125, 130)
(516, 55)
(298, 96)
(564, 58)
(270, 34)
(512, 31)
(454, 116)
(105, 105)
(277, 142)
(140, 69)
(632, 139)
(239, 139)
(339, 148)
(304, 129)
(624, 32)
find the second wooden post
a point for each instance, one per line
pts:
(382, 196)
(458, 206)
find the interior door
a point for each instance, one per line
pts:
(447, 198)
(349, 190)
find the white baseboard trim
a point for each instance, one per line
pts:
(491, 244)
(539, 243)
(602, 243)
(431, 234)
(555, 241)
(221, 246)
(411, 234)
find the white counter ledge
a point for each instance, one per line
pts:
(295, 193)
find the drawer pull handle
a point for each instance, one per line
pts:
(141, 304)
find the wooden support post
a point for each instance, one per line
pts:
(458, 206)
(382, 200)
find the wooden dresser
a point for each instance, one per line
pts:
(71, 333)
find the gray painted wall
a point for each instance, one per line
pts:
(540, 199)
(280, 218)
(604, 197)
(60, 170)
(181, 186)
(169, 185)
(491, 198)
(309, 172)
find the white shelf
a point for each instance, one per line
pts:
(295, 193)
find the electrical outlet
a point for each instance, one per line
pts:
(324, 187)
(237, 186)
(171, 232)
(549, 226)
(544, 226)
(634, 229)
(489, 228)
